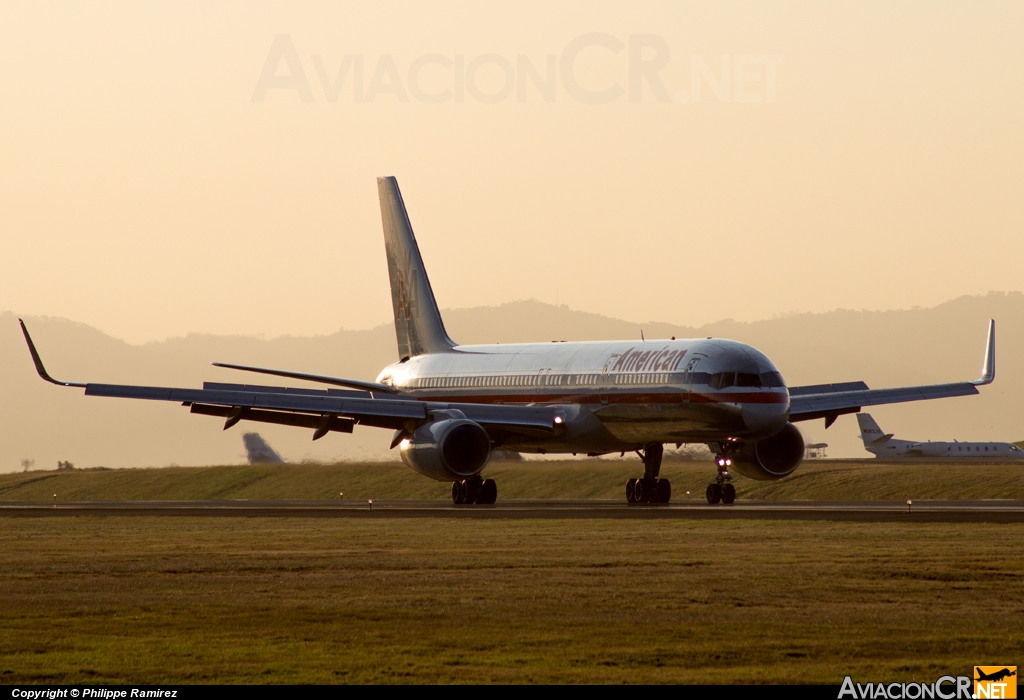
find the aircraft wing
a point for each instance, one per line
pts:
(829, 401)
(324, 410)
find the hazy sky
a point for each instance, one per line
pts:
(174, 167)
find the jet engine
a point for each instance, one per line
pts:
(771, 458)
(450, 449)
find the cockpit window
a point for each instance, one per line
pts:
(1014, 448)
(723, 380)
(748, 380)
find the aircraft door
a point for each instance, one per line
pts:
(606, 379)
(687, 378)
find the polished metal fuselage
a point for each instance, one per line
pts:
(615, 395)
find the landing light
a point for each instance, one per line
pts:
(558, 420)
(404, 443)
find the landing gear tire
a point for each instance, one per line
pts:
(459, 492)
(640, 491)
(648, 491)
(714, 493)
(664, 491)
(488, 492)
(474, 491)
(728, 493)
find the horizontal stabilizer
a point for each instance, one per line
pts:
(322, 379)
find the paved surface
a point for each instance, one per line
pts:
(863, 511)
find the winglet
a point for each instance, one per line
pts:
(988, 371)
(38, 361)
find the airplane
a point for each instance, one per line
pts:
(451, 405)
(883, 446)
(258, 451)
(996, 676)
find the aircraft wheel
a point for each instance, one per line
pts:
(664, 491)
(728, 493)
(460, 493)
(714, 493)
(488, 492)
(642, 491)
(631, 491)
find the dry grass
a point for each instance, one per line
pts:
(162, 600)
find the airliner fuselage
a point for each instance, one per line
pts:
(615, 395)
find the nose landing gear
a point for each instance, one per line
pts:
(649, 489)
(722, 491)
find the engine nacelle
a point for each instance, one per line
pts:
(771, 458)
(451, 449)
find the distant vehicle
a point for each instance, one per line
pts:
(883, 445)
(451, 405)
(816, 450)
(258, 451)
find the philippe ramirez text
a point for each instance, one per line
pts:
(102, 693)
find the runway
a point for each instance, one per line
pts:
(992, 511)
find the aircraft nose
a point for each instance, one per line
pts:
(765, 419)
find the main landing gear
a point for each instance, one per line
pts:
(722, 491)
(474, 490)
(649, 489)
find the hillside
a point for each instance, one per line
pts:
(885, 348)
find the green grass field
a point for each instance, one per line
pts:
(248, 600)
(831, 480)
(294, 600)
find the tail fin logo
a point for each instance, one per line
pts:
(406, 307)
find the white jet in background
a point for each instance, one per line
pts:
(883, 446)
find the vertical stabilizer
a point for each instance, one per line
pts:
(870, 433)
(418, 322)
(257, 451)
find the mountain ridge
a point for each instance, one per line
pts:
(883, 348)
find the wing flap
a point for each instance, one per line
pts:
(298, 402)
(274, 404)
